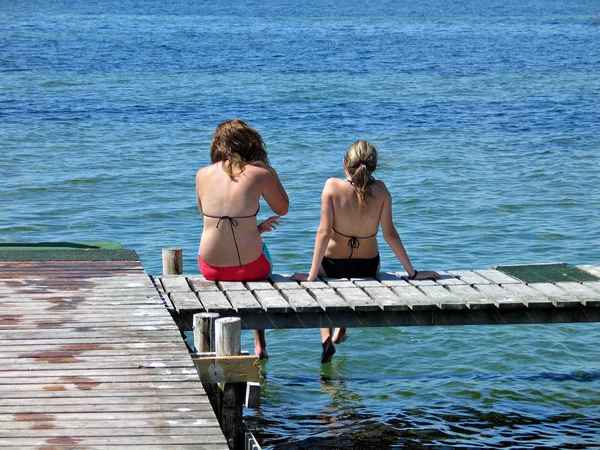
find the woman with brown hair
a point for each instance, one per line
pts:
(346, 243)
(228, 193)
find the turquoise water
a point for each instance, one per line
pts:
(487, 121)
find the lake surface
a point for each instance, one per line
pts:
(487, 122)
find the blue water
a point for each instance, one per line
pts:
(487, 120)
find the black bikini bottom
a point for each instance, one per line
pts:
(351, 268)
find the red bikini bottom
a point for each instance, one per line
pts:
(256, 270)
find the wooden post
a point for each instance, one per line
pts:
(172, 260)
(228, 342)
(204, 331)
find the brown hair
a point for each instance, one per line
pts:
(237, 144)
(360, 162)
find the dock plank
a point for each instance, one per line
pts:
(385, 298)
(583, 292)
(469, 277)
(473, 298)
(357, 299)
(300, 300)
(215, 301)
(500, 296)
(442, 297)
(91, 358)
(243, 300)
(497, 277)
(272, 301)
(414, 298)
(531, 297)
(329, 300)
(559, 297)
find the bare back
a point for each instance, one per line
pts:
(348, 222)
(219, 196)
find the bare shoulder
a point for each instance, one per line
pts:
(203, 171)
(380, 189)
(257, 169)
(333, 185)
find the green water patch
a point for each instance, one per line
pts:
(547, 273)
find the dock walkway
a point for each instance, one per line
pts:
(91, 358)
(461, 297)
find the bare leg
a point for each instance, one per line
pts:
(260, 344)
(339, 336)
(328, 347)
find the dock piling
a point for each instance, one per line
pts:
(228, 342)
(204, 332)
(172, 260)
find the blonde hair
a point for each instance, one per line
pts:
(360, 162)
(237, 144)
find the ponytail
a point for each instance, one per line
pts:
(361, 162)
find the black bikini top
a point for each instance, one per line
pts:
(234, 223)
(353, 241)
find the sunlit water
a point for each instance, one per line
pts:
(487, 121)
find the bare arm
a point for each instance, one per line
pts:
(323, 233)
(391, 236)
(273, 191)
(197, 195)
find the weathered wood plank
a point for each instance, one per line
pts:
(337, 283)
(501, 297)
(215, 302)
(357, 299)
(313, 285)
(174, 283)
(414, 298)
(583, 292)
(366, 282)
(186, 301)
(227, 369)
(442, 297)
(497, 277)
(559, 297)
(199, 283)
(272, 301)
(300, 300)
(473, 298)
(228, 286)
(391, 280)
(594, 285)
(447, 279)
(385, 298)
(260, 286)
(592, 269)
(531, 297)
(243, 300)
(419, 283)
(329, 300)
(284, 282)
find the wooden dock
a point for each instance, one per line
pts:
(462, 297)
(91, 358)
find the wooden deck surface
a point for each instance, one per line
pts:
(91, 358)
(462, 297)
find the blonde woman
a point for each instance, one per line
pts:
(228, 193)
(346, 244)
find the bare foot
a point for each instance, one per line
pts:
(340, 335)
(260, 344)
(260, 352)
(328, 351)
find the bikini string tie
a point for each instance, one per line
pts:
(233, 223)
(353, 243)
